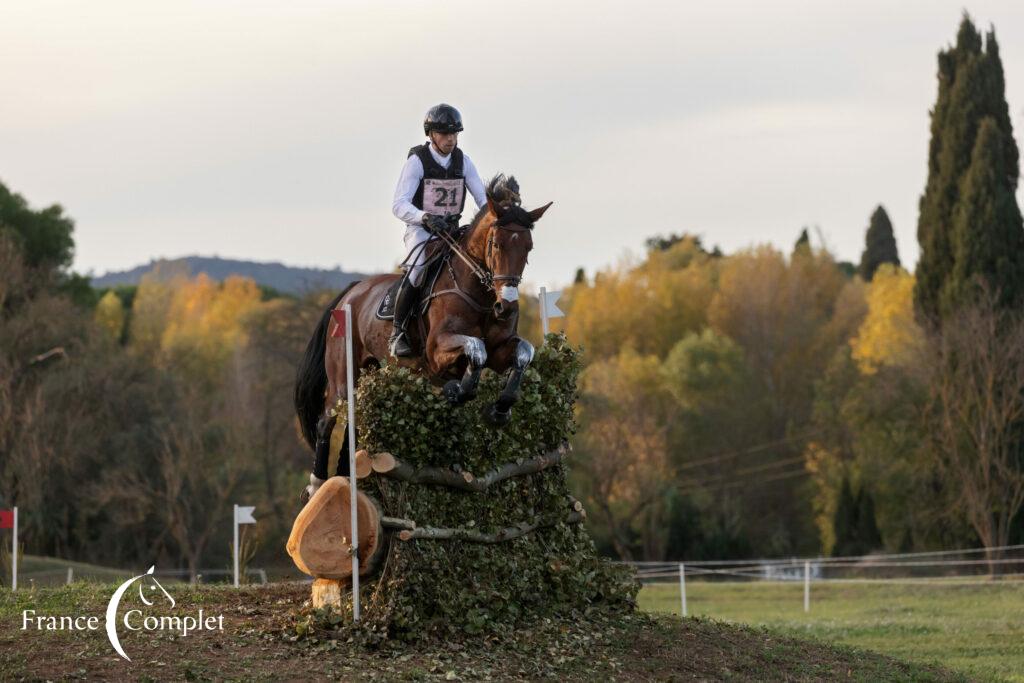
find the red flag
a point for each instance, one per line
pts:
(339, 323)
(6, 519)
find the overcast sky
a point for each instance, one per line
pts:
(276, 131)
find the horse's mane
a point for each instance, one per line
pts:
(504, 191)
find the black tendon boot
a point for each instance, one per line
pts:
(404, 304)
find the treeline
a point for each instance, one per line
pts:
(131, 420)
(764, 403)
(753, 403)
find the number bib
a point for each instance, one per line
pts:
(443, 196)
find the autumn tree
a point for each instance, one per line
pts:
(110, 315)
(975, 375)
(623, 454)
(648, 306)
(889, 334)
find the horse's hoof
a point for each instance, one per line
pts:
(496, 417)
(453, 392)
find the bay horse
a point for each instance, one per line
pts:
(470, 322)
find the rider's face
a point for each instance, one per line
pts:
(444, 142)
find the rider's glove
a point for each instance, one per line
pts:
(434, 223)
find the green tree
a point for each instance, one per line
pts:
(880, 245)
(971, 90)
(988, 236)
(44, 236)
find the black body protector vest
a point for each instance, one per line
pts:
(442, 191)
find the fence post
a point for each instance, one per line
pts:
(682, 587)
(14, 552)
(807, 586)
(71, 574)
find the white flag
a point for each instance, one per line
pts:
(551, 305)
(243, 514)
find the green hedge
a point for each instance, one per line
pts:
(431, 588)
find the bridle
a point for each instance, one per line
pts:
(513, 279)
(485, 276)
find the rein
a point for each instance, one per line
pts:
(486, 278)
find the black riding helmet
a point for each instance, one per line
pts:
(444, 118)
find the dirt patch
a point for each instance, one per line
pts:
(260, 641)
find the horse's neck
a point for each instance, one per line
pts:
(473, 245)
(474, 242)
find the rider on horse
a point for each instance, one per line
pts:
(429, 198)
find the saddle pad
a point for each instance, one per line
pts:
(386, 307)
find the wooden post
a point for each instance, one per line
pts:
(682, 587)
(807, 586)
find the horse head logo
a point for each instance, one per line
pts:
(148, 582)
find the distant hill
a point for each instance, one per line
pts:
(288, 279)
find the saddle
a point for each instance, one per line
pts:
(437, 255)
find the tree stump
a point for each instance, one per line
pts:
(327, 593)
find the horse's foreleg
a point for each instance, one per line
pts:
(500, 412)
(454, 346)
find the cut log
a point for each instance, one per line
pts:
(382, 462)
(363, 465)
(442, 476)
(327, 593)
(397, 523)
(319, 542)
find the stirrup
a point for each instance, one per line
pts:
(399, 346)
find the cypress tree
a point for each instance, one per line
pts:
(971, 89)
(988, 234)
(880, 245)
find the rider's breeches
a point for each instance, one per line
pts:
(415, 240)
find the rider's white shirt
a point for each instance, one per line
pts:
(412, 173)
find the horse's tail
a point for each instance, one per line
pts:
(311, 378)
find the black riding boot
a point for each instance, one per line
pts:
(404, 305)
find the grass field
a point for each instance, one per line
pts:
(977, 630)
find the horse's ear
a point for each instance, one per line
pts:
(495, 207)
(537, 213)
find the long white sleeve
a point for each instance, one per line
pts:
(473, 182)
(408, 182)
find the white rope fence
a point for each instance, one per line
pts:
(932, 568)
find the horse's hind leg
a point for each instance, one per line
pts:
(449, 349)
(343, 457)
(500, 412)
(321, 454)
